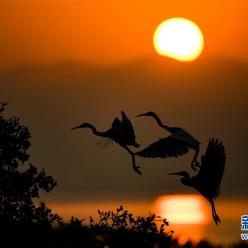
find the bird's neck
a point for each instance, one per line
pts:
(170, 129)
(186, 180)
(96, 132)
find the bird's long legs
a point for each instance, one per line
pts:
(136, 168)
(214, 214)
(195, 163)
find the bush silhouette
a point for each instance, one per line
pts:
(117, 229)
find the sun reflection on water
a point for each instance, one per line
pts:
(187, 214)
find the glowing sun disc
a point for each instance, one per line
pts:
(178, 38)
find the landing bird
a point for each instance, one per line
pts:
(177, 144)
(121, 132)
(209, 177)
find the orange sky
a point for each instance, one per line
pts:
(110, 31)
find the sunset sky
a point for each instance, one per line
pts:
(111, 31)
(64, 62)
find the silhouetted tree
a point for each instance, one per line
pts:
(20, 181)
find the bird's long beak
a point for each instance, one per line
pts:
(141, 115)
(75, 128)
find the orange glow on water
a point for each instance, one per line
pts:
(183, 209)
(187, 215)
(90, 208)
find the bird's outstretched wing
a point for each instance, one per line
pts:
(163, 148)
(116, 123)
(213, 165)
(127, 126)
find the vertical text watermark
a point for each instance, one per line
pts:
(244, 227)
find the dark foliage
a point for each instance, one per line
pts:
(20, 181)
(113, 229)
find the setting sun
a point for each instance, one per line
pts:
(178, 38)
(183, 209)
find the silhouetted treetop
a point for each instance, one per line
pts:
(20, 181)
(14, 142)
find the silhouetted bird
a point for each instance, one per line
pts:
(208, 179)
(177, 144)
(121, 132)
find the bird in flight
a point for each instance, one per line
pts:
(121, 132)
(207, 181)
(176, 144)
